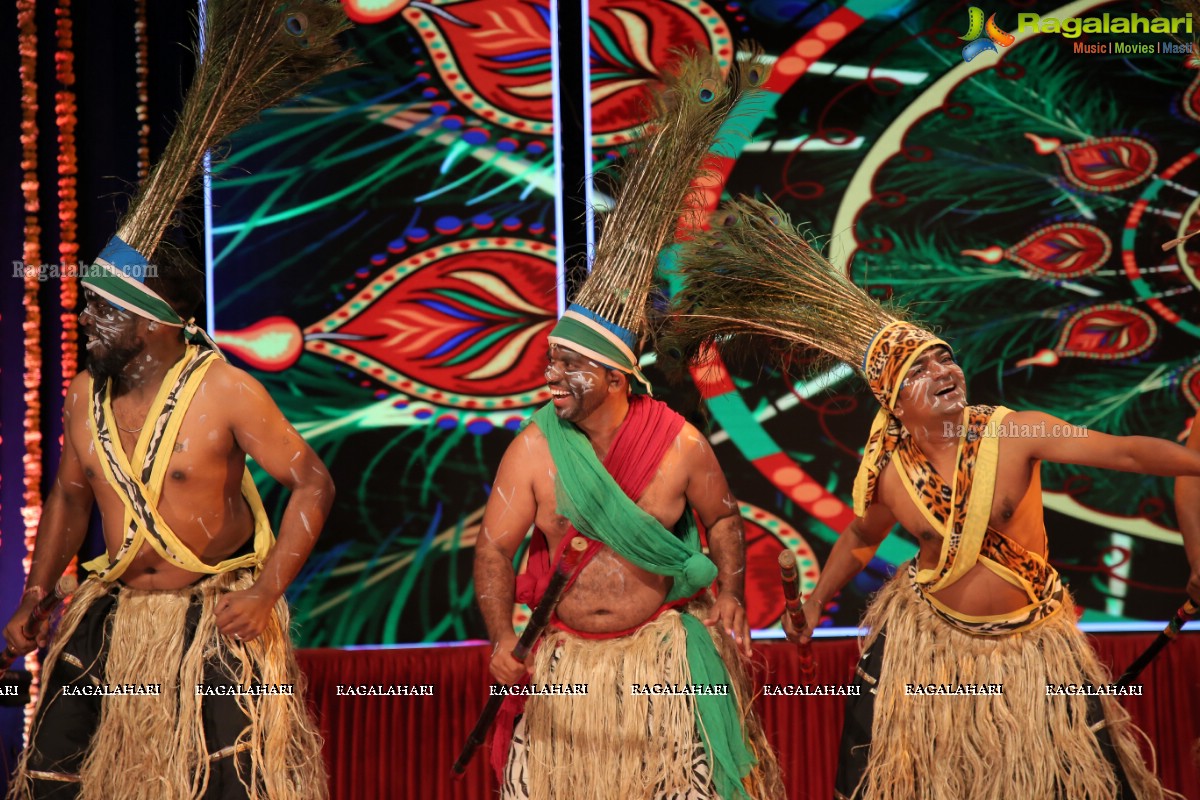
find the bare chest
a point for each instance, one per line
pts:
(200, 458)
(931, 511)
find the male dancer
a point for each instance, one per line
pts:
(980, 606)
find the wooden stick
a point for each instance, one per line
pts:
(1185, 612)
(563, 571)
(795, 610)
(66, 586)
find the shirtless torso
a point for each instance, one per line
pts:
(930, 406)
(980, 592)
(230, 417)
(610, 593)
(201, 497)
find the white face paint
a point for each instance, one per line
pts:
(102, 322)
(577, 385)
(581, 382)
(112, 335)
(934, 387)
(105, 327)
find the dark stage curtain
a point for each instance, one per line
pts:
(402, 747)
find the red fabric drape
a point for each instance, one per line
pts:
(403, 747)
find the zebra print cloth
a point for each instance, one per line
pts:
(516, 774)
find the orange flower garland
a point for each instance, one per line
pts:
(31, 511)
(142, 60)
(68, 206)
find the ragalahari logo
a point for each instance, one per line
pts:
(977, 28)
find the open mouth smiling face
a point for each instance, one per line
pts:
(935, 384)
(577, 384)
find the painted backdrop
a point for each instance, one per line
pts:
(384, 262)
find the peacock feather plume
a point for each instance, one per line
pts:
(756, 288)
(659, 183)
(258, 53)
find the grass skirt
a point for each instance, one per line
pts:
(155, 747)
(610, 743)
(1021, 744)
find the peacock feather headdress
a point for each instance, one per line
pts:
(607, 320)
(757, 286)
(258, 53)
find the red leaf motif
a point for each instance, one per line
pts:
(1107, 332)
(1067, 250)
(1108, 164)
(494, 57)
(461, 326)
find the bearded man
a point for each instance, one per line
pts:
(187, 601)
